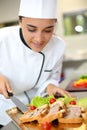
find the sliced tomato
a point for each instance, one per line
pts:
(52, 100)
(32, 107)
(72, 102)
(46, 126)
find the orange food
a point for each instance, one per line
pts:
(81, 83)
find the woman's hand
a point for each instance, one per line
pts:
(4, 86)
(57, 91)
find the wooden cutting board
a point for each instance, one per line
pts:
(15, 114)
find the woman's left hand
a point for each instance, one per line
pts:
(57, 91)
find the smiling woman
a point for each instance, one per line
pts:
(31, 62)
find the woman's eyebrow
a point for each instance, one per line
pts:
(31, 25)
(50, 27)
(36, 27)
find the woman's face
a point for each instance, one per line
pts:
(37, 32)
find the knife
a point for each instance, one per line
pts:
(22, 107)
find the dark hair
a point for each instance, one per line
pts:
(20, 18)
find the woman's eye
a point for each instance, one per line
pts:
(48, 31)
(31, 30)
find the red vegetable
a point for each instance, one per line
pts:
(46, 126)
(72, 102)
(81, 83)
(32, 107)
(52, 100)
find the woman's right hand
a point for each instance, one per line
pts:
(4, 86)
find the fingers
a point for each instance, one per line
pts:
(57, 91)
(4, 87)
(8, 89)
(63, 92)
(3, 90)
(50, 89)
(70, 95)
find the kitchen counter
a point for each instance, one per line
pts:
(81, 70)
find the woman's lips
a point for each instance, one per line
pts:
(38, 45)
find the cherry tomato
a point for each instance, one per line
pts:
(46, 126)
(73, 102)
(52, 100)
(32, 107)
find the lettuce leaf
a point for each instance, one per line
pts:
(39, 101)
(66, 99)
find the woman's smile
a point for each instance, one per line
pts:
(37, 32)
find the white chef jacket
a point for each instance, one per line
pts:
(26, 69)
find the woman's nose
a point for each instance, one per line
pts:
(39, 37)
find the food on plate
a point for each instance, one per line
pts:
(48, 109)
(81, 82)
(44, 113)
(66, 99)
(72, 102)
(35, 114)
(46, 126)
(52, 100)
(32, 107)
(73, 114)
(56, 111)
(38, 101)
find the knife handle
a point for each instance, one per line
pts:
(10, 94)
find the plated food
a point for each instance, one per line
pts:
(74, 114)
(77, 85)
(81, 82)
(60, 109)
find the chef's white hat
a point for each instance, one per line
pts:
(38, 8)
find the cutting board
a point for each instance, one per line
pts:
(15, 114)
(71, 88)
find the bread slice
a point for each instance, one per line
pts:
(30, 116)
(73, 115)
(57, 109)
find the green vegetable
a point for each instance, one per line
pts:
(39, 101)
(82, 102)
(67, 99)
(83, 77)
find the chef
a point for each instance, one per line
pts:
(31, 55)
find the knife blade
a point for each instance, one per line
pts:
(20, 105)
